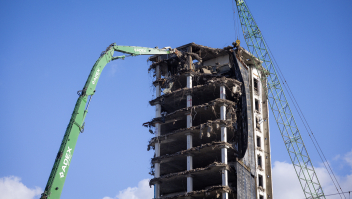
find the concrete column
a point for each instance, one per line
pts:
(157, 76)
(190, 61)
(223, 139)
(189, 101)
(189, 184)
(189, 124)
(157, 133)
(189, 164)
(189, 136)
(157, 165)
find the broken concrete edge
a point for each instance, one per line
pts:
(239, 58)
(200, 71)
(218, 189)
(213, 144)
(239, 55)
(182, 59)
(188, 172)
(162, 81)
(249, 55)
(193, 129)
(212, 82)
(188, 109)
(183, 49)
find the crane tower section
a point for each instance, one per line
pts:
(211, 126)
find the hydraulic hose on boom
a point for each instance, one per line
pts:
(63, 158)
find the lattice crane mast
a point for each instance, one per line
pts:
(279, 104)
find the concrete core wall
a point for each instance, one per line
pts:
(209, 119)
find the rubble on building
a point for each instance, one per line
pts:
(206, 129)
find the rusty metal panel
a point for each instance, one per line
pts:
(242, 74)
(245, 183)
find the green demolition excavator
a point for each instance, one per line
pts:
(59, 171)
(271, 85)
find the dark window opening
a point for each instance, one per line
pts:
(258, 142)
(260, 180)
(255, 84)
(259, 160)
(257, 124)
(256, 104)
(261, 197)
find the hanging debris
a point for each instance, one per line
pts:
(203, 113)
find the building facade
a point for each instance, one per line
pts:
(211, 125)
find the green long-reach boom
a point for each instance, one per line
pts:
(279, 105)
(62, 162)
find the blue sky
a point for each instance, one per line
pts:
(47, 49)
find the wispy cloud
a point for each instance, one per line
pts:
(143, 191)
(337, 157)
(12, 188)
(348, 158)
(286, 184)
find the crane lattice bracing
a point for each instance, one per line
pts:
(279, 104)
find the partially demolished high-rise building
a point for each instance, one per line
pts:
(211, 125)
